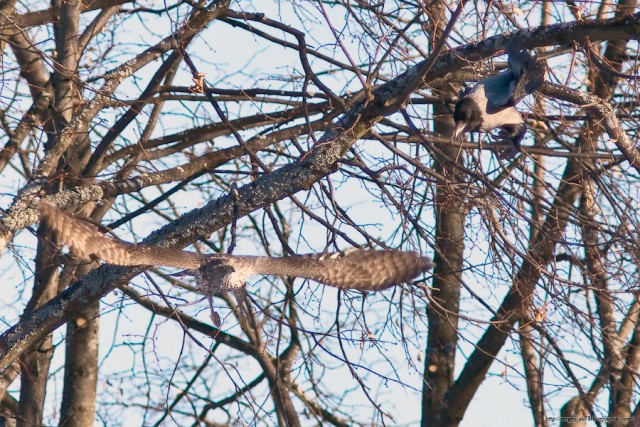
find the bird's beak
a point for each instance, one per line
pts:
(458, 131)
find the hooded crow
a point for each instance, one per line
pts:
(490, 103)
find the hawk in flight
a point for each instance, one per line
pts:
(365, 270)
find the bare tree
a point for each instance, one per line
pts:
(284, 128)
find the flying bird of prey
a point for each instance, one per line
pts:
(365, 270)
(490, 103)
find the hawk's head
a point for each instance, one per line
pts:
(218, 275)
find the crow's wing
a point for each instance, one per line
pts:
(523, 77)
(527, 72)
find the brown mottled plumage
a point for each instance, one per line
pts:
(365, 270)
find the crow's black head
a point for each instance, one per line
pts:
(467, 116)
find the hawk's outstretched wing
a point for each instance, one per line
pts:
(86, 241)
(354, 269)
